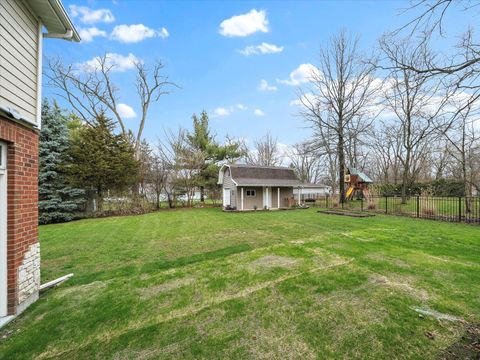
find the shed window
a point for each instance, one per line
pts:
(251, 193)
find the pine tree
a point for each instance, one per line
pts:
(208, 153)
(102, 161)
(58, 202)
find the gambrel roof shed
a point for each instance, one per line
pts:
(251, 175)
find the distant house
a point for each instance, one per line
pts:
(247, 187)
(21, 25)
(306, 191)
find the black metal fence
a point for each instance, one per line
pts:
(456, 209)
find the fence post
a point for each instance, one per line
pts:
(459, 208)
(386, 204)
(361, 204)
(418, 206)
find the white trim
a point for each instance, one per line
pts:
(3, 232)
(241, 202)
(278, 198)
(39, 75)
(221, 172)
(227, 191)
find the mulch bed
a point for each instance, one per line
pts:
(467, 347)
(346, 213)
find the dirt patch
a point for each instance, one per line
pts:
(467, 347)
(82, 291)
(400, 284)
(388, 259)
(166, 286)
(346, 213)
(297, 242)
(271, 261)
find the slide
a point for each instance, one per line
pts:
(349, 192)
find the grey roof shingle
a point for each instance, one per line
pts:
(249, 175)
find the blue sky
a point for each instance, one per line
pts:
(209, 61)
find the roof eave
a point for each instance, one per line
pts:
(55, 9)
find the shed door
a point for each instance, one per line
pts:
(226, 197)
(3, 229)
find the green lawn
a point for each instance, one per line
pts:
(201, 283)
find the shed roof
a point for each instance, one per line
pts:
(361, 175)
(311, 185)
(250, 175)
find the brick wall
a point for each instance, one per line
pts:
(22, 233)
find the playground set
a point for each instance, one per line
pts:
(357, 184)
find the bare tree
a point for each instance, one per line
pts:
(264, 153)
(341, 91)
(416, 101)
(91, 91)
(464, 139)
(306, 163)
(461, 67)
(385, 147)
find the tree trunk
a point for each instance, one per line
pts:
(202, 194)
(405, 177)
(341, 168)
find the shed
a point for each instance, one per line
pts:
(248, 187)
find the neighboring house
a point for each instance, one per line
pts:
(311, 191)
(248, 187)
(21, 26)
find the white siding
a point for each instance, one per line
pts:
(229, 184)
(19, 59)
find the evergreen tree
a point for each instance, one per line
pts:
(102, 161)
(208, 153)
(58, 201)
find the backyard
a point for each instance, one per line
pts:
(201, 283)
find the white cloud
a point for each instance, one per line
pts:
(225, 111)
(117, 63)
(126, 111)
(300, 75)
(264, 86)
(263, 48)
(163, 33)
(245, 24)
(88, 34)
(136, 33)
(307, 98)
(258, 112)
(221, 111)
(90, 16)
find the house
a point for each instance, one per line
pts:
(308, 191)
(22, 23)
(247, 187)
(357, 183)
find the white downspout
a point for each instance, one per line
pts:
(241, 196)
(278, 198)
(39, 74)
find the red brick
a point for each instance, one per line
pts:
(22, 165)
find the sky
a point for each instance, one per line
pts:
(241, 61)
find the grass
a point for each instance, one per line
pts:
(201, 283)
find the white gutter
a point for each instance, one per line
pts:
(66, 36)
